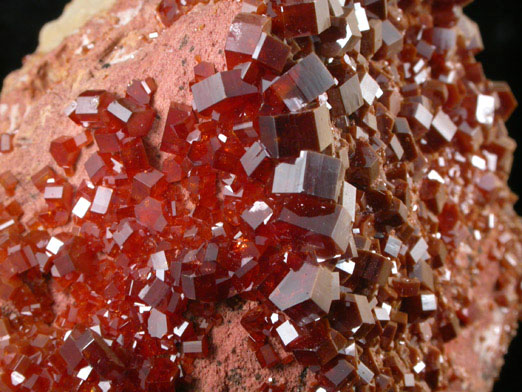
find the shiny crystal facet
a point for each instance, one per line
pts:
(243, 38)
(8, 182)
(102, 199)
(312, 174)
(271, 52)
(287, 134)
(304, 295)
(392, 40)
(221, 90)
(304, 18)
(346, 98)
(333, 225)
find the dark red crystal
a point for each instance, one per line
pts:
(286, 135)
(8, 182)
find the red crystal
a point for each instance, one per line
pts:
(255, 161)
(243, 37)
(330, 226)
(107, 140)
(141, 91)
(8, 182)
(347, 98)
(392, 39)
(287, 134)
(312, 174)
(65, 152)
(180, 122)
(305, 18)
(133, 154)
(338, 374)
(255, 323)
(44, 177)
(90, 108)
(342, 36)
(267, 356)
(271, 52)
(223, 91)
(149, 183)
(196, 348)
(305, 295)
(303, 83)
(203, 70)
(169, 11)
(149, 213)
(138, 119)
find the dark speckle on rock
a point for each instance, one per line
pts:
(184, 41)
(302, 379)
(234, 377)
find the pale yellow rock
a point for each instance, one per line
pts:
(74, 16)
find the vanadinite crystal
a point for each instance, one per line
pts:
(327, 176)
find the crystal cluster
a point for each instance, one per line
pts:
(311, 177)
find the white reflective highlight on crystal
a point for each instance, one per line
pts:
(81, 207)
(419, 367)
(478, 162)
(102, 199)
(360, 15)
(159, 261)
(485, 112)
(84, 373)
(54, 245)
(17, 378)
(346, 266)
(287, 332)
(429, 302)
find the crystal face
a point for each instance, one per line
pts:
(8, 182)
(443, 130)
(222, 90)
(347, 98)
(169, 11)
(305, 295)
(259, 213)
(102, 199)
(342, 36)
(286, 135)
(65, 152)
(271, 52)
(392, 39)
(316, 193)
(142, 91)
(305, 18)
(301, 84)
(312, 174)
(333, 226)
(244, 36)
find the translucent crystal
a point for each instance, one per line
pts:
(312, 174)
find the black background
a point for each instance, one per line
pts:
(500, 23)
